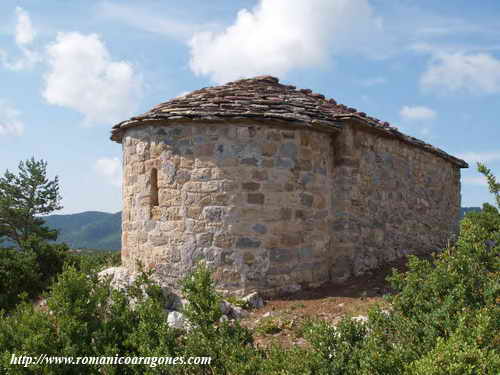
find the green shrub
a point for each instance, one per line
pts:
(338, 346)
(86, 318)
(268, 326)
(203, 308)
(227, 343)
(19, 272)
(50, 257)
(464, 351)
(28, 270)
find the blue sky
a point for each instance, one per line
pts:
(69, 70)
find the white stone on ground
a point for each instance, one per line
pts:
(360, 318)
(254, 300)
(238, 313)
(121, 277)
(176, 320)
(225, 307)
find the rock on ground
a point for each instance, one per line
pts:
(254, 300)
(121, 277)
(360, 318)
(177, 320)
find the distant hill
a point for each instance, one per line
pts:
(88, 230)
(465, 210)
(102, 230)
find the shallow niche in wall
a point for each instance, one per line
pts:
(153, 194)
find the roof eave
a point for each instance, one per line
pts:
(327, 126)
(394, 132)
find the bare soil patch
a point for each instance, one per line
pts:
(281, 320)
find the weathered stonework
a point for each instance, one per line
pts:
(390, 199)
(252, 199)
(277, 202)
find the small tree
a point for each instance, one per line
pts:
(23, 197)
(493, 185)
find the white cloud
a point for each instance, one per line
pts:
(111, 169)
(417, 113)
(482, 157)
(475, 181)
(28, 59)
(83, 77)
(279, 35)
(9, 120)
(461, 72)
(25, 33)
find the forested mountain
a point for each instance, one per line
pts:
(464, 210)
(91, 229)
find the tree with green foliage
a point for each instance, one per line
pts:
(489, 216)
(492, 182)
(30, 266)
(23, 197)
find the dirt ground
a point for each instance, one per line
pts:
(281, 319)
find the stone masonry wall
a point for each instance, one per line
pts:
(390, 199)
(252, 199)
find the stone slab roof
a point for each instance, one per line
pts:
(264, 98)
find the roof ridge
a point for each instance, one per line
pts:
(265, 98)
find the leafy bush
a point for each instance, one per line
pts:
(19, 272)
(227, 343)
(87, 318)
(84, 317)
(49, 257)
(28, 270)
(203, 309)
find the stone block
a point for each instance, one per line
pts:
(259, 228)
(281, 254)
(213, 213)
(201, 174)
(248, 258)
(269, 149)
(204, 239)
(306, 200)
(250, 186)
(260, 175)
(305, 139)
(205, 150)
(255, 198)
(288, 150)
(292, 239)
(246, 242)
(285, 163)
(223, 240)
(286, 213)
(304, 164)
(268, 163)
(250, 161)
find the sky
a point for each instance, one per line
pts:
(70, 70)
